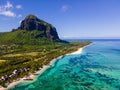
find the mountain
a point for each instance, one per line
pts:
(31, 22)
(31, 30)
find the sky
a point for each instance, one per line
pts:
(72, 18)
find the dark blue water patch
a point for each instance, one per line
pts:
(115, 50)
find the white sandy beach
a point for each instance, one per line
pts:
(34, 75)
(79, 51)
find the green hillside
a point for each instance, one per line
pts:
(24, 37)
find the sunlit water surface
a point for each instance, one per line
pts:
(97, 68)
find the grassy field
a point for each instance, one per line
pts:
(22, 54)
(2, 61)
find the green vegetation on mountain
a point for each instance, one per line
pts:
(26, 49)
(24, 37)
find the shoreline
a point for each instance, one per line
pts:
(32, 76)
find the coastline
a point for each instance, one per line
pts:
(32, 76)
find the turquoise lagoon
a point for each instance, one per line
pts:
(97, 68)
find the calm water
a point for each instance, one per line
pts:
(97, 68)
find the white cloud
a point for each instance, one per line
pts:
(8, 5)
(20, 21)
(8, 13)
(18, 6)
(65, 8)
(7, 10)
(19, 16)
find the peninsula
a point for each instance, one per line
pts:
(27, 49)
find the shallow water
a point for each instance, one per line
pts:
(97, 68)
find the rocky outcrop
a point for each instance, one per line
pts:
(31, 22)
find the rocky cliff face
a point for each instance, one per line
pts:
(31, 22)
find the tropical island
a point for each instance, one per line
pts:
(27, 49)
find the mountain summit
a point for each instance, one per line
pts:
(31, 23)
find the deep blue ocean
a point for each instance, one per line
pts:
(97, 68)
